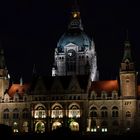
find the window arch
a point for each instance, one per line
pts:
(115, 112)
(40, 112)
(104, 112)
(6, 114)
(15, 113)
(74, 111)
(25, 113)
(57, 111)
(93, 112)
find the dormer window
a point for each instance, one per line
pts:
(93, 95)
(104, 95)
(114, 95)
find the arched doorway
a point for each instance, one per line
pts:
(56, 125)
(74, 126)
(40, 127)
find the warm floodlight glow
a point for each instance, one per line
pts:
(75, 15)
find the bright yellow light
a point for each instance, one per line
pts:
(75, 15)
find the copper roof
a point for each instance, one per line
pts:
(107, 86)
(17, 88)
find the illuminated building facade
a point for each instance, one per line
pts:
(73, 96)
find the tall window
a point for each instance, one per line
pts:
(25, 113)
(115, 112)
(40, 112)
(93, 112)
(6, 114)
(104, 112)
(15, 114)
(74, 112)
(57, 112)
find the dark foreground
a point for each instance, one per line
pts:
(62, 133)
(73, 137)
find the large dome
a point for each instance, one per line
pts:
(75, 36)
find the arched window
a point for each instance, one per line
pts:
(15, 113)
(57, 112)
(25, 113)
(104, 112)
(74, 111)
(93, 112)
(40, 112)
(115, 112)
(6, 114)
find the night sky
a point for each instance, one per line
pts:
(29, 31)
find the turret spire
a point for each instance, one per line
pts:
(127, 49)
(75, 17)
(127, 62)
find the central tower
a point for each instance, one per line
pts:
(75, 53)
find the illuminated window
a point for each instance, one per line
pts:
(40, 127)
(40, 112)
(25, 126)
(74, 112)
(74, 126)
(56, 125)
(57, 112)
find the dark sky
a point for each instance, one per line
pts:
(29, 31)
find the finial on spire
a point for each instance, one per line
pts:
(21, 81)
(75, 17)
(127, 43)
(127, 49)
